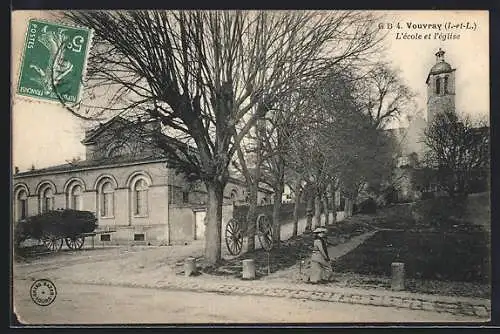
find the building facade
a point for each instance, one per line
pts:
(128, 184)
(412, 180)
(440, 87)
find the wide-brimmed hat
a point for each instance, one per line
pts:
(320, 230)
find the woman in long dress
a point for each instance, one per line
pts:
(321, 269)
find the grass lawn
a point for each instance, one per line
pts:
(451, 259)
(288, 254)
(452, 256)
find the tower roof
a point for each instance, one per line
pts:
(441, 66)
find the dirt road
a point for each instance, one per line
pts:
(95, 304)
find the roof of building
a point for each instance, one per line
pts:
(83, 164)
(481, 130)
(116, 160)
(441, 67)
(96, 131)
(107, 162)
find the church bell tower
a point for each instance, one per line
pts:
(440, 87)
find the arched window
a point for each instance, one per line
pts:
(47, 200)
(107, 197)
(438, 86)
(75, 197)
(22, 204)
(74, 190)
(446, 84)
(140, 198)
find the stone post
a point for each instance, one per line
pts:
(189, 266)
(248, 269)
(398, 276)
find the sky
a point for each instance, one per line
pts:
(44, 134)
(469, 55)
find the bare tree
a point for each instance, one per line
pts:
(457, 148)
(342, 148)
(203, 74)
(271, 139)
(307, 159)
(295, 167)
(275, 145)
(383, 95)
(252, 177)
(287, 110)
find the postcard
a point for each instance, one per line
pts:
(177, 167)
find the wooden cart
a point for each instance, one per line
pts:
(54, 243)
(234, 234)
(53, 228)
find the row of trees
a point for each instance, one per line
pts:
(301, 88)
(336, 144)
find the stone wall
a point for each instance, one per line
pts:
(437, 103)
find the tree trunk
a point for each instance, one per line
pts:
(295, 218)
(276, 216)
(348, 207)
(252, 216)
(334, 206)
(214, 222)
(309, 212)
(317, 210)
(254, 191)
(326, 210)
(296, 209)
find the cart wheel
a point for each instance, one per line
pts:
(234, 237)
(75, 242)
(52, 242)
(265, 232)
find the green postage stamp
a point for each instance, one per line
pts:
(54, 61)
